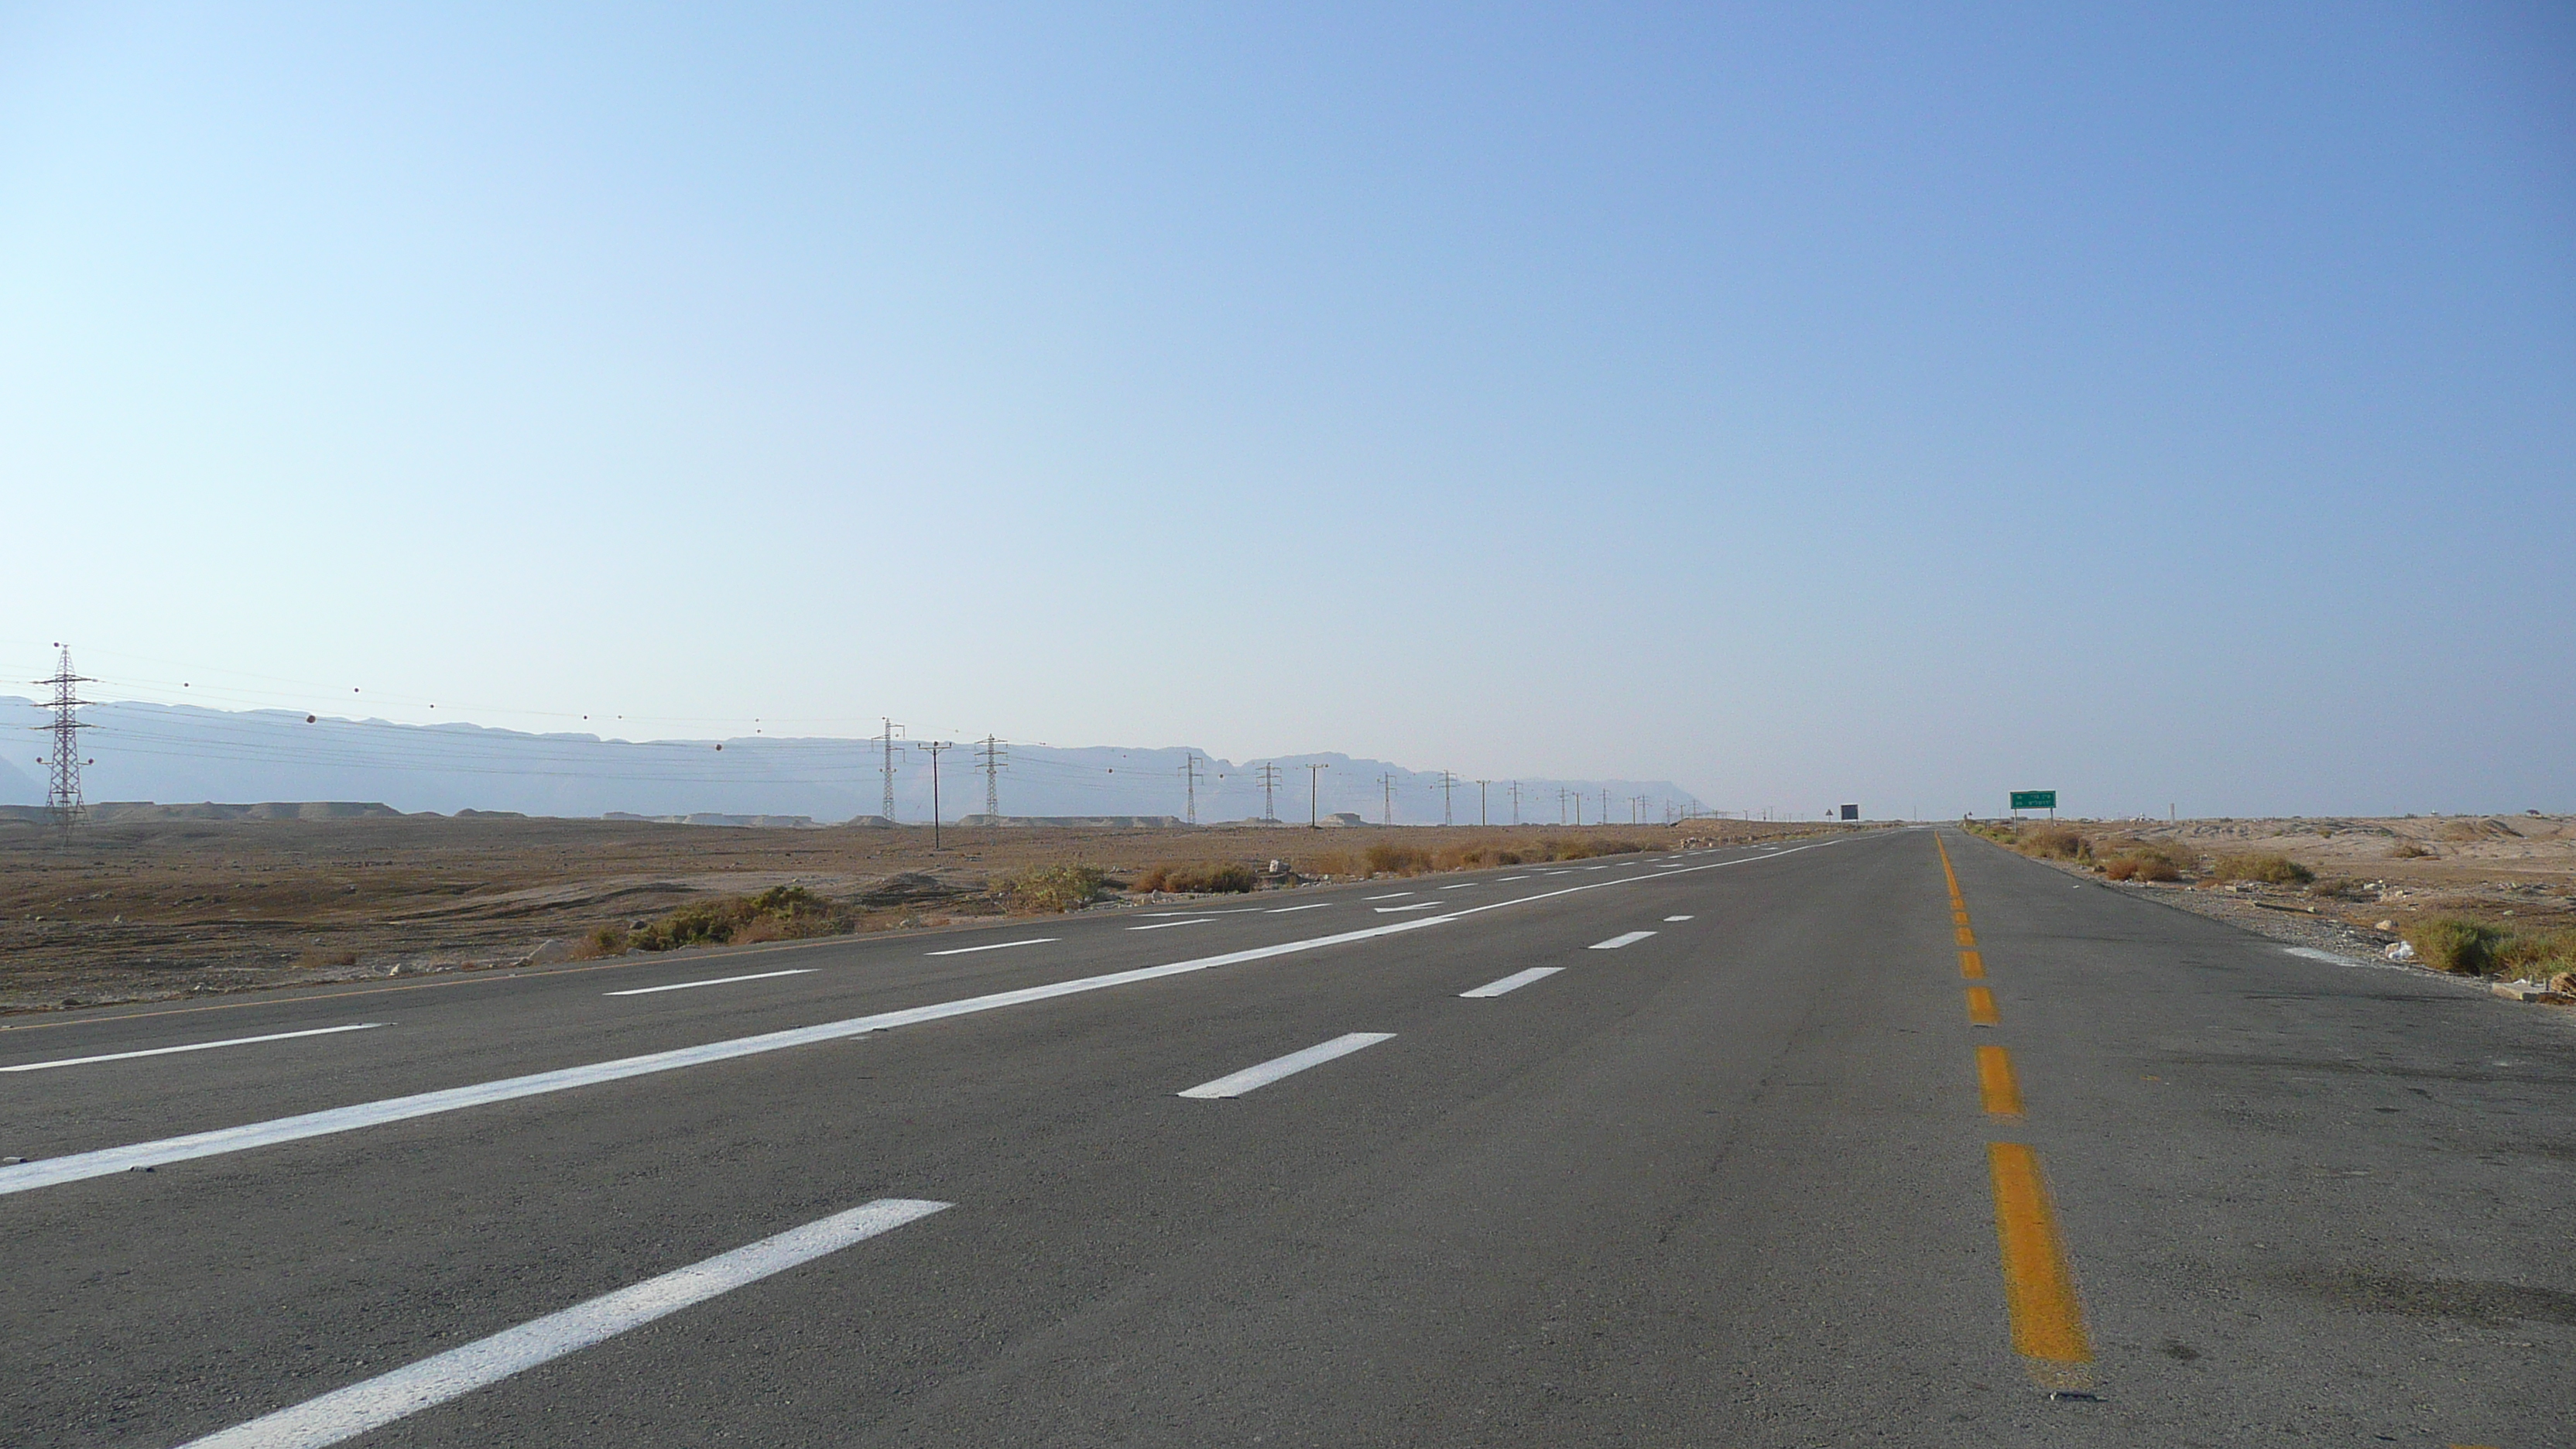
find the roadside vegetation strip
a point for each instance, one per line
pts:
(373, 1403)
(194, 1046)
(76, 1167)
(1235, 1084)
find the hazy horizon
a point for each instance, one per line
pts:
(1799, 404)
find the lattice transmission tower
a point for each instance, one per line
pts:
(887, 744)
(63, 787)
(995, 759)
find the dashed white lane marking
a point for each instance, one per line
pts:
(1309, 906)
(1463, 885)
(995, 946)
(194, 1046)
(710, 981)
(1167, 925)
(1507, 880)
(1392, 895)
(1615, 942)
(1681, 918)
(1416, 906)
(100, 1162)
(1596, 867)
(1238, 1083)
(376, 1402)
(1513, 982)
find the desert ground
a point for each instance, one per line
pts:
(138, 910)
(2373, 876)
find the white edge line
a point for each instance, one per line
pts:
(1235, 1084)
(995, 946)
(194, 1046)
(1513, 982)
(711, 981)
(78, 1166)
(373, 1403)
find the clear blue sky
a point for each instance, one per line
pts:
(1805, 403)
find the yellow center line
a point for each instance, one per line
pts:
(2039, 1284)
(1995, 1080)
(1981, 1008)
(1967, 938)
(1972, 965)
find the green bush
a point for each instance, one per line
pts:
(779, 913)
(2455, 944)
(2269, 869)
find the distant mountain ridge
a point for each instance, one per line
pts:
(184, 753)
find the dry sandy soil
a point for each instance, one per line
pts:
(136, 911)
(2515, 870)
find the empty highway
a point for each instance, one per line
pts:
(1890, 1138)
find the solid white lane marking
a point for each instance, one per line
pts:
(1238, 1083)
(1392, 895)
(1310, 906)
(1416, 906)
(194, 1046)
(1615, 942)
(711, 981)
(78, 1166)
(1513, 982)
(1679, 918)
(376, 1402)
(1167, 925)
(995, 946)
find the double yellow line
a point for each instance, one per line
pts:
(2039, 1281)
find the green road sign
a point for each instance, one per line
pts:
(2034, 799)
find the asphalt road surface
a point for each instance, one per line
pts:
(1827, 1144)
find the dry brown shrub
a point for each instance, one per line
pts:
(2277, 870)
(1200, 877)
(318, 956)
(2051, 842)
